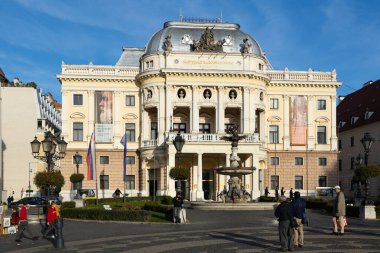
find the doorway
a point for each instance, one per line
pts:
(208, 184)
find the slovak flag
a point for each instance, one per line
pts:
(124, 143)
(90, 159)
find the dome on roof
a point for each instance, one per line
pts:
(183, 36)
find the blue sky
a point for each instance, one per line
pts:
(37, 35)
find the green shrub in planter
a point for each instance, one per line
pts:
(179, 173)
(101, 214)
(76, 178)
(52, 179)
(68, 204)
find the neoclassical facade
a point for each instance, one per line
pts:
(198, 79)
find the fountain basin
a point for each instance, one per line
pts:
(234, 172)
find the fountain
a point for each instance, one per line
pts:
(236, 191)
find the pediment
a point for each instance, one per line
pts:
(77, 115)
(274, 119)
(130, 116)
(322, 119)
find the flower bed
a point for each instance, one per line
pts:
(101, 214)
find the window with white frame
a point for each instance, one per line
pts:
(322, 161)
(321, 104)
(298, 161)
(130, 182)
(274, 182)
(77, 131)
(78, 99)
(321, 135)
(104, 159)
(322, 181)
(129, 100)
(274, 160)
(131, 160)
(104, 182)
(298, 182)
(273, 134)
(273, 103)
(130, 130)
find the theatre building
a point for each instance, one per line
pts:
(199, 78)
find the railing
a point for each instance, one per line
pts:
(99, 70)
(150, 143)
(251, 138)
(278, 75)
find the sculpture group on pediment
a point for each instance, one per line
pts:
(207, 43)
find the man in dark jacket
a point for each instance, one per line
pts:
(177, 202)
(285, 212)
(299, 207)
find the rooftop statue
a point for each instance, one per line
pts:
(246, 46)
(168, 46)
(207, 44)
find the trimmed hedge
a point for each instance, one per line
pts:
(101, 214)
(267, 199)
(68, 204)
(156, 207)
(351, 211)
(107, 201)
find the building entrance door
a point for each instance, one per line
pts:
(152, 182)
(208, 184)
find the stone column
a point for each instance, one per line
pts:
(220, 111)
(334, 139)
(245, 110)
(286, 123)
(252, 110)
(168, 109)
(170, 188)
(195, 111)
(194, 185)
(255, 193)
(91, 113)
(200, 193)
(161, 115)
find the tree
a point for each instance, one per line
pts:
(364, 173)
(179, 173)
(76, 178)
(52, 179)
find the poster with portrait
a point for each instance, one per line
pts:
(103, 116)
(298, 120)
(7, 222)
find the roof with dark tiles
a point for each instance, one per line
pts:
(356, 104)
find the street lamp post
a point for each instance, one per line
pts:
(77, 160)
(52, 154)
(178, 142)
(367, 142)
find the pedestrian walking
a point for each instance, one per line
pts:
(339, 211)
(15, 216)
(299, 207)
(52, 216)
(282, 191)
(291, 194)
(276, 193)
(266, 192)
(285, 213)
(177, 202)
(23, 227)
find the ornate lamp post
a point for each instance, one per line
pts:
(178, 142)
(367, 142)
(77, 160)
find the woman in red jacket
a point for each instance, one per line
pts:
(52, 216)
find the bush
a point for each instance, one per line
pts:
(76, 178)
(156, 207)
(178, 173)
(109, 201)
(166, 200)
(68, 204)
(101, 214)
(52, 179)
(267, 199)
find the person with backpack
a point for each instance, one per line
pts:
(299, 207)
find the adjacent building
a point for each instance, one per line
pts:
(359, 113)
(199, 78)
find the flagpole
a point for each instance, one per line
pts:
(96, 173)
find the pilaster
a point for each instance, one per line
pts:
(310, 125)
(200, 193)
(91, 113)
(286, 111)
(245, 110)
(161, 115)
(195, 111)
(334, 139)
(220, 111)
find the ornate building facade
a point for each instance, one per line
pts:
(197, 80)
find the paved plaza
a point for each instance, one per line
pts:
(208, 231)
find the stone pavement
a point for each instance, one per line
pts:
(208, 231)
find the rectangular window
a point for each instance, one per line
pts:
(39, 124)
(274, 182)
(352, 141)
(322, 181)
(130, 130)
(321, 104)
(322, 161)
(352, 163)
(179, 127)
(273, 103)
(340, 144)
(273, 134)
(274, 161)
(78, 99)
(80, 159)
(298, 182)
(298, 161)
(77, 131)
(130, 100)
(153, 131)
(204, 128)
(321, 133)
(130, 182)
(340, 164)
(104, 159)
(130, 160)
(104, 182)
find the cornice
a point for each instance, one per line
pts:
(94, 78)
(303, 84)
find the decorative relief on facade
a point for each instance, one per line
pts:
(206, 43)
(228, 40)
(207, 93)
(181, 93)
(168, 46)
(187, 39)
(149, 94)
(261, 96)
(232, 94)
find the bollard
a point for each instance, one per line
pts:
(59, 242)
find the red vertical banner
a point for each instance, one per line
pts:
(298, 120)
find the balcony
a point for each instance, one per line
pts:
(251, 138)
(149, 143)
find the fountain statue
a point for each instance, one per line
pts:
(236, 191)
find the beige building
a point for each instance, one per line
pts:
(199, 81)
(359, 113)
(24, 113)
